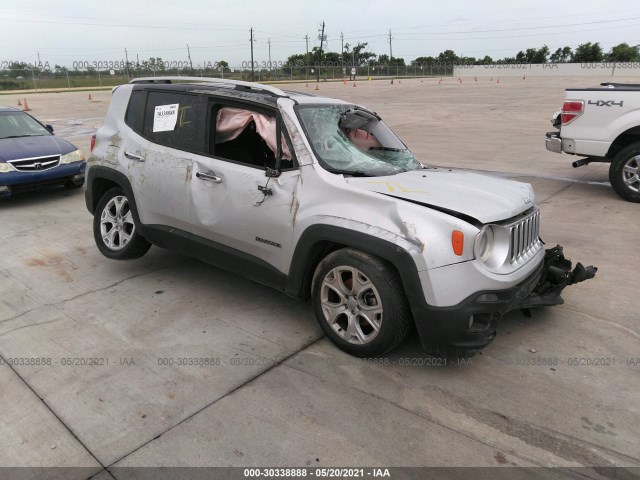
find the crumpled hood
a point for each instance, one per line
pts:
(484, 198)
(29, 147)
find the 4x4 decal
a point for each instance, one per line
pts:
(605, 103)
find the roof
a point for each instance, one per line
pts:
(257, 92)
(9, 109)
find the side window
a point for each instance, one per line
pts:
(135, 110)
(176, 120)
(249, 136)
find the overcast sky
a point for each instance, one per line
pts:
(65, 31)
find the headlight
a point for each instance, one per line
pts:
(484, 244)
(5, 167)
(76, 156)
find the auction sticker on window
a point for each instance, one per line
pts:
(165, 117)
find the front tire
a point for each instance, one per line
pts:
(360, 303)
(624, 173)
(114, 228)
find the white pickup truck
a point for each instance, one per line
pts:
(603, 125)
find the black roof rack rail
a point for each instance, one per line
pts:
(223, 82)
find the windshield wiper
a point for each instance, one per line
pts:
(353, 173)
(20, 136)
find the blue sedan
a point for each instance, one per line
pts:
(31, 155)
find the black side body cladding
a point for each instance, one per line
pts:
(97, 176)
(298, 281)
(216, 254)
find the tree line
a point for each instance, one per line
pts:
(358, 55)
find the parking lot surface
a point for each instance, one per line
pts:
(112, 384)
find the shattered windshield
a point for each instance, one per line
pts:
(354, 141)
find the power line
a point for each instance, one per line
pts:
(524, 28)
(516, 36)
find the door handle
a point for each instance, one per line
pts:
(134, 156)
(209, 177)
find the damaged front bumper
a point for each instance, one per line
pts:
(471, 325)
(556, 276)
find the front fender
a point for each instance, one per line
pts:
(312, 245)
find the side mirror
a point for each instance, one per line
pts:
(49, 127)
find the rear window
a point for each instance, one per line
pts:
(176, 120)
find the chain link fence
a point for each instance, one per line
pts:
(35, 79)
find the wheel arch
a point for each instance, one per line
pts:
(317, 241)
(626, 138)
(101, 179)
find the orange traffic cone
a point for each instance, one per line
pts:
(26, 106)
(392, 81)
(19, 103)
(400, 81)
(307, 85)
(90, 97)
(345, 81)
(524, 77)
(498, 81)
(459, 79)
(317, 86)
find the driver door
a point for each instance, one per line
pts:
(235, 204)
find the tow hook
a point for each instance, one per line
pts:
(556, 275)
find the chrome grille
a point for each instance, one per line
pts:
(35, 164)
(525, 236)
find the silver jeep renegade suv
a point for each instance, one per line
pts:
(319, 199)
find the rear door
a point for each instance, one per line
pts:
(173, 135)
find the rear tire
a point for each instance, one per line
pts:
(360, 303)
(114, 228)
(624, 173)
